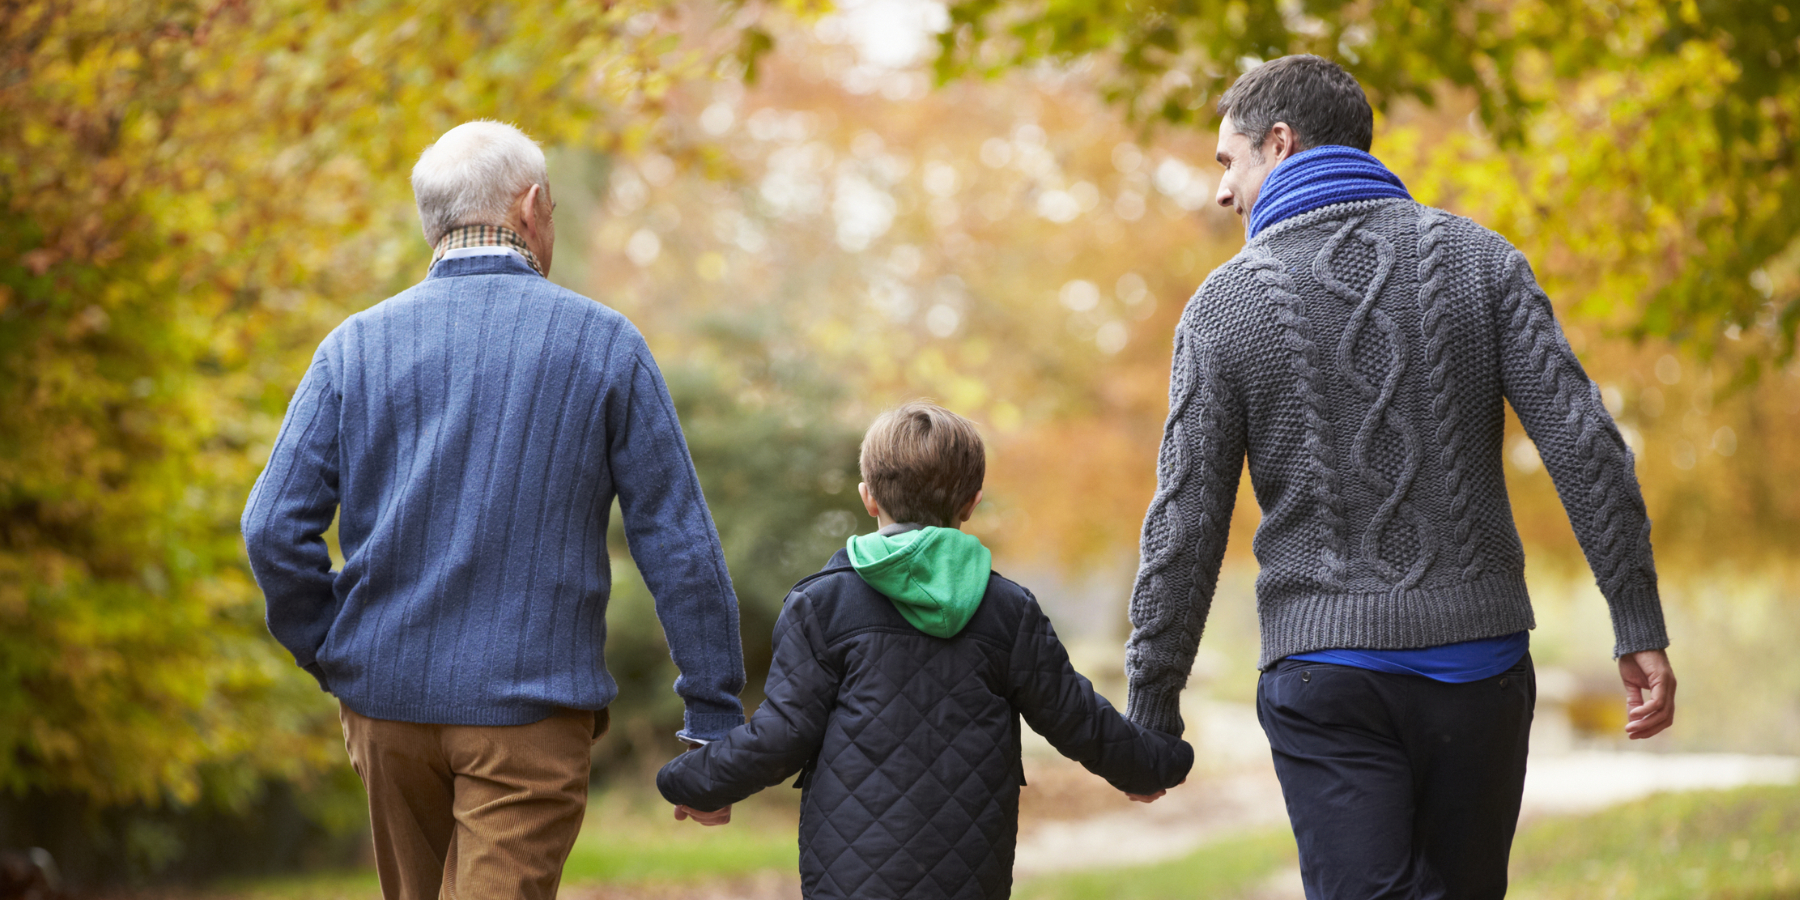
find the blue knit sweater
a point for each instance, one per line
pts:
(471, 434)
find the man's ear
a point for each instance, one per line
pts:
(1282, 142)
(868, 499)
(526, 211)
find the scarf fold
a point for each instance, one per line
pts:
(1319, 177)
(466, 236)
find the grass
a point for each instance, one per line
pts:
(628, 837)
(632, 838)
(1223, 869)
(1707, 845)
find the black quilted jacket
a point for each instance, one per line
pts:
(910, 743)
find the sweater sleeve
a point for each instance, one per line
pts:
(1582, 450)
(676, 547)
(1184, 534)
(1060, 704)
(779, 739)
(286, 517)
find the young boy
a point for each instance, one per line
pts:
(899, 676)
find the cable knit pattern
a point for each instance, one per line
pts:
(1381, 410)
(1595, 477)
(1290, 311)
(1434, 231)
(1183, 542)
(1361, 356)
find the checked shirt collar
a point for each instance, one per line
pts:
(485, 236)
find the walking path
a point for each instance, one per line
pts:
(1073, 821)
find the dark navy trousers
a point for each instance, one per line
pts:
(1399, 786)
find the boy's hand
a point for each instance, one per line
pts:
(1152, 798)
(716, 817)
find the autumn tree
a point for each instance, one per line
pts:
(195, 193)
(1650, 145)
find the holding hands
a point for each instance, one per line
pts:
(716, 817)
(1152, 798)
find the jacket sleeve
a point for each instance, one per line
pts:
(675, 545)
(1060, 704)
(286, 517)
(1582, 450)
(1184, 535)
(783, 735)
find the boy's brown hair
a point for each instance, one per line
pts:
(923, 463)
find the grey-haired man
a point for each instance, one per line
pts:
(471, 434)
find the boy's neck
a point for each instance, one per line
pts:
(890, 528)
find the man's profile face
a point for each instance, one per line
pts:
(1246, 167)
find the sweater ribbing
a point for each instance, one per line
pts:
(472, 434)
(1360, 356)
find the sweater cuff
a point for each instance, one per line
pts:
(706, 727)
(1638, 620)
(1157, 708)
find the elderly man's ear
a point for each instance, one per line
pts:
(533, 218)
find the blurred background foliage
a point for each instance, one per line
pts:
(1008, 220)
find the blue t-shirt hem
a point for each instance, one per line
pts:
(1457, 663)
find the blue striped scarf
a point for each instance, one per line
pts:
(1320, 177)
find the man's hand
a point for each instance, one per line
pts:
(1649, 693)
(716, 817)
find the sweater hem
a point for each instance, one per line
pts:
(455, 714)
(1397, 620)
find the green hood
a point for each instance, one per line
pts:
(936, 577)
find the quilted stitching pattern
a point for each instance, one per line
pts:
(915, 788)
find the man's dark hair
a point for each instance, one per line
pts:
(1312, 94)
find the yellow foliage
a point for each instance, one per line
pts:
(194, 193)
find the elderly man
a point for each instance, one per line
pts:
(1358, 351)
(471, 434)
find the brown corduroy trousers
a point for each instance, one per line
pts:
(470, 812)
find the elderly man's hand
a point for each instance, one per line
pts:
(1649, 692)
(716, 817)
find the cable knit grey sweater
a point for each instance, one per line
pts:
(1359, 354)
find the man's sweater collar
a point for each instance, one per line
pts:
(1320, 177)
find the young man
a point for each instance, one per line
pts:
(899, 677)
(470, 434)
(1359, 350)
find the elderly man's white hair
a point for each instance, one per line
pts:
(472, 175)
